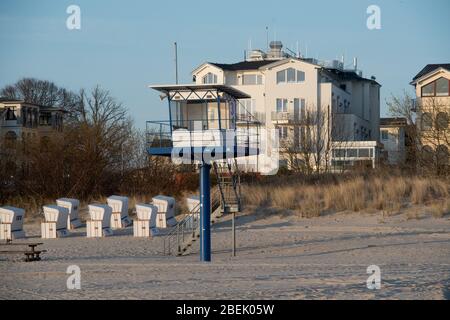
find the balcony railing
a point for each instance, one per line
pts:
(255, 117)
(289, 117)
(195, 133)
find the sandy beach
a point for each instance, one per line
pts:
(280, 256)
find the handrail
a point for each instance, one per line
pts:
(189, 225)
(180, 228)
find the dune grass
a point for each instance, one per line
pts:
(358, 193)
(312, 196)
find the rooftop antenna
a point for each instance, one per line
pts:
(249, 48)
(298, 50)
(306, 50)
(267, 37)
(176, 62)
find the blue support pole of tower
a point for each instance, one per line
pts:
(205, 213)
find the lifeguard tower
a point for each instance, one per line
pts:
(202, 130)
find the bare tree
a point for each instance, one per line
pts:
(100, 135)
(41, 92)
(308, 146)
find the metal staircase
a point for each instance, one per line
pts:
(225, 199)
(229, 185)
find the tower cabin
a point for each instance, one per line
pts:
(202, 121)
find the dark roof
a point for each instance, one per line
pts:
(393, 122)
(349, 76)
(254, 65)
(430, 68)
(243, 65)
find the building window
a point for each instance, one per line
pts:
(283, 163)
(299, 109)
(364, 153)
(339, 153)
(442, 154)
(246, 107)
(11, 114)
(442, 121)
(428, 90)
(281, 76)
(352, 153)
(427, 154)
(384, 135)
(439, 88)
(210, 78)
(282, 105)
(251, 79)
(283, 133)
(45, 119)
(290, 75)
(442, 87)
(426, 122)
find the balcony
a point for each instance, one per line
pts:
(285, 118)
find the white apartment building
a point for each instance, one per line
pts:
(284, 89)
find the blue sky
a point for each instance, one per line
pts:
(126, 45)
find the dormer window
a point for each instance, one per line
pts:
(209, 78)
(290, 75)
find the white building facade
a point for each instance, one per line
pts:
(286, 90)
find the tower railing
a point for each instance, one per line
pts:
(201, 133)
